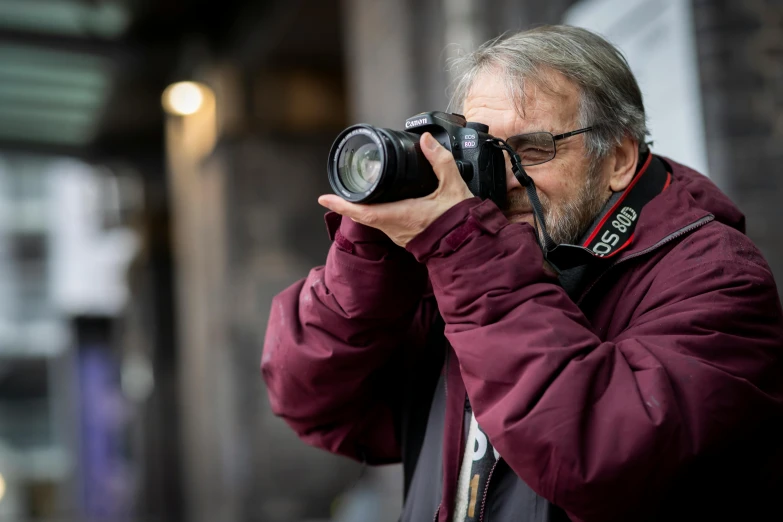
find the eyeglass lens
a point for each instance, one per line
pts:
(534, 148)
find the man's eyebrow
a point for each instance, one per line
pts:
(533, 132)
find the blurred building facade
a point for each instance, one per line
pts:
(136, 276)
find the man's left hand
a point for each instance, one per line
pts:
(404, 220)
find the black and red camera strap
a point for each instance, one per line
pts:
(613, 230)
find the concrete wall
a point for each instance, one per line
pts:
(740, 45)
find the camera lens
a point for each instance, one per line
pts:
(359, 165)
(371, 165)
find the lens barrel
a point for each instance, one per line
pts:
(372, 165)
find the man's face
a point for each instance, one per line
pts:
(571, 189)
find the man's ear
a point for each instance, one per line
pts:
(622, 164)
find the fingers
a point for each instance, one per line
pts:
(341, 206)
(365, 214)
(330, 201)
(441, 159)
(371, 215)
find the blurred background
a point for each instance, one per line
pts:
(159, 167)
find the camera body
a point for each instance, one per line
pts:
(371, 165)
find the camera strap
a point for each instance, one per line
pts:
(530, 186)
(614, 228)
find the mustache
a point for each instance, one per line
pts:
(517, 201)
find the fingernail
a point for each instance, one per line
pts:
(430, 142)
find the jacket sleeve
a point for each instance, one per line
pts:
(331, 340)
(599, 428)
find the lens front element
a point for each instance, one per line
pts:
(359, 165)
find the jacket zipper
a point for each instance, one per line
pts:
(674, 235)
(486, 490)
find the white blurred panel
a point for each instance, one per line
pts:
(89, 264)
(657, 38)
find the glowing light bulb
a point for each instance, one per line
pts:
(183, 98)
(2, 488)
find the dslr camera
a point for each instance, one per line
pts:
(372, 165)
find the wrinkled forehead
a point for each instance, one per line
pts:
(543, 100)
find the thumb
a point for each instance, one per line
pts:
(441, 159)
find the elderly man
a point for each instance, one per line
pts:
(644, 383)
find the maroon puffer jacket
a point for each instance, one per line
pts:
(664, 377)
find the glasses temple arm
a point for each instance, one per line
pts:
(572, 133)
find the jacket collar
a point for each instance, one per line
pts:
(666, 200)
(691, 199)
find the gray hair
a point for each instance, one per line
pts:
(610, 101)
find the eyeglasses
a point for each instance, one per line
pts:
(539, 147)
